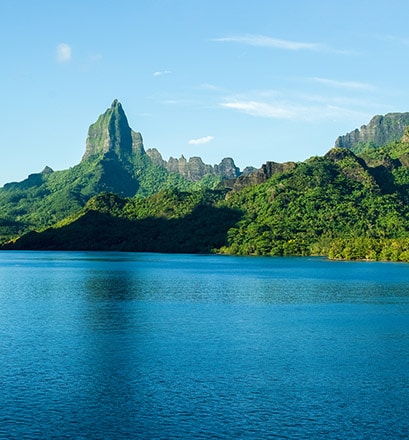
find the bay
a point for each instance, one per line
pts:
(97, 345)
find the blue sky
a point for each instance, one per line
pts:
(254, 80)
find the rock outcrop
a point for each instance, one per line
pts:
(258, 176)
(111, 134)
(111, 137)
(194, 169)
(381, 130)
(227, 169)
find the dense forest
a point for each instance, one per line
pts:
(333, 206)
(114, 161)
(343, 205)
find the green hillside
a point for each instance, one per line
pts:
(114, 161)
(169, 221)
(334, 206)
(45, 198)
(341, 205)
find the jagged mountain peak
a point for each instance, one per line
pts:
(194, 169)
(379, 131)
(111, 133)
(116, 103)
(111, 137)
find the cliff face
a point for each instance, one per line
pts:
(405, 137)
(111, 137)
(227, 169)
(111, 134)
(381, 130)
(195, 169)
(256, 177)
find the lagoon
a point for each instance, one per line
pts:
(100, 345)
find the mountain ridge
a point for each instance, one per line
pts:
(121, 197)
(114, 161)
(381, 130)
(194, 169)
(335, 206)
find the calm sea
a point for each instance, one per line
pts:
(151, 346)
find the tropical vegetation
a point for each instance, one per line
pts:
(342, 205)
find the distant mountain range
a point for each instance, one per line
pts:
(351, 203)
(380, 130)
(114, 161)
(111, 135)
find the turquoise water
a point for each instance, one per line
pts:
(151, 346)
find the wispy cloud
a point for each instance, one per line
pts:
(64, 53)
(339, 100)
(276, 43)
(200, 141)
(352, 85)
(162, 72)
(262, 109)
(294, 110)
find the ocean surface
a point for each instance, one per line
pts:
(97, 345)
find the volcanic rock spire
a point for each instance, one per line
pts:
(111, 134)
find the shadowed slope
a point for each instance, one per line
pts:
(204, 229)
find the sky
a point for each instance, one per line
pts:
(258, 81)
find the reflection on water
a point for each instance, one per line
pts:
(111, 345)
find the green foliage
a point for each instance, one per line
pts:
(380, 131)
(393, 150)
(339, 205)
(207, 182)
(318, 205)
(170, 221)
(385, 249)
(329, 205)
(361, 147)
(170, 203)
(46, 198)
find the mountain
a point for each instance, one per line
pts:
(114, 161)
(111, 134)
(380, 131)
(336, 205)
(119, 197)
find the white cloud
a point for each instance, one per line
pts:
(295, 110)
(200, 141)
(162, 72)
(344, 84)
(264, 41)
(262, 109)
(344, 100)
(64, 53)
